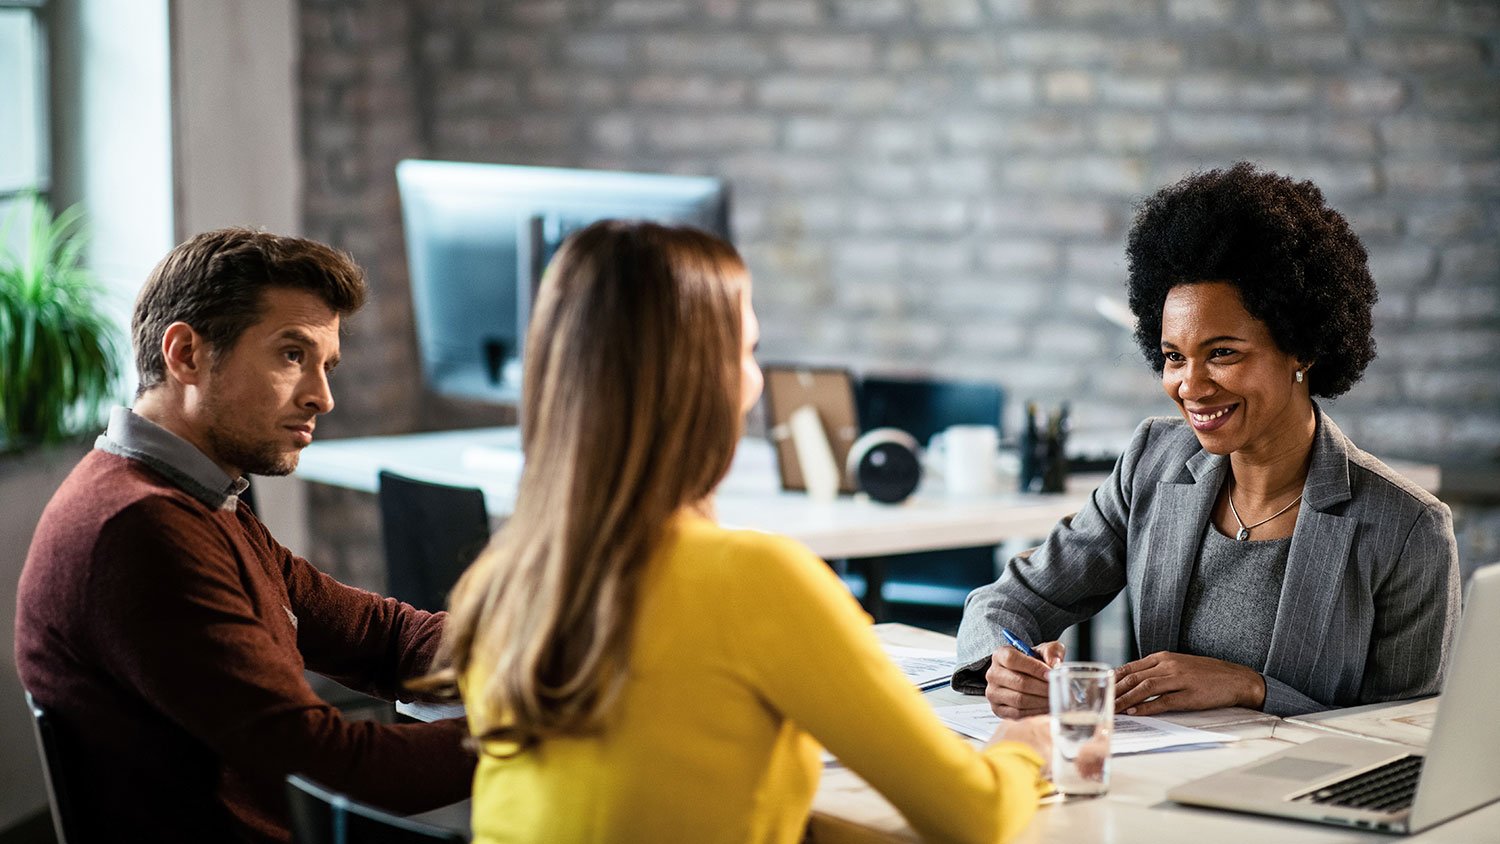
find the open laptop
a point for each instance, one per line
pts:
(1374, 785)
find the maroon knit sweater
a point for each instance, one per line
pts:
(168, 639)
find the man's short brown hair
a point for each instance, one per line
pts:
(214, 283)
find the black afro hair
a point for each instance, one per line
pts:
(1298, 266)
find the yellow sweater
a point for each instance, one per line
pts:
(748, 652)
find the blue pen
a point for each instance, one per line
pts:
(1018, 643)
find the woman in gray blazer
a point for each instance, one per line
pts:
(1269, 563)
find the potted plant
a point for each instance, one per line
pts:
(58, 353)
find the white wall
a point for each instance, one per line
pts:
(169, 117)
(26, 483)
(174, 118)
(112, 152)
(235, 84)
(234, 80)
(112, 136)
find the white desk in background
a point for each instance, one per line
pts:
(847, 528)
(848, 811)
(750, 497)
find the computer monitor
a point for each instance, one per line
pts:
(923, 406)
(479, 235)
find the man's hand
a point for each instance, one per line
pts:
(1181, 683)
(1015, 684)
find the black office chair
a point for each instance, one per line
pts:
(320, 816)
(926, 589)
(432, 533)
(55, 767)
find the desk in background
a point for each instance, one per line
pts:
(750, 497)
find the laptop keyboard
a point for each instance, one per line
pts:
(1388, 788)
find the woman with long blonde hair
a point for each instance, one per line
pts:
(633, 671)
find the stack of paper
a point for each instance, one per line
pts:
(1133, 733)
(927, 669)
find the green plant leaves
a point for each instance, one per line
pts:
(59, 356)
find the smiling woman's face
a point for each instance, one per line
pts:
(1232, 383)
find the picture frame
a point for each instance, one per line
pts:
(830, 391)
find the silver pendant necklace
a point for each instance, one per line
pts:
(1245, 529)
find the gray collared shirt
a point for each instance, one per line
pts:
(138, 438)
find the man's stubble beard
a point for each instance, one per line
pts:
(252, 458)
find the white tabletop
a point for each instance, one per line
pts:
(1136, 809)
(848, 811)
(750, 496)
(1402, 722)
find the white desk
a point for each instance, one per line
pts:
(1403, 722)
(1136, 809)
(848, 811)
(750, 496)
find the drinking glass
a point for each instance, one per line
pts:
(1082, 697)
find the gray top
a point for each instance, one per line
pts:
(1229, 611)
(179, 461)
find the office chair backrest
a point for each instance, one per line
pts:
(55, 770)
(432, 533)
(938, 580)
(923, 406)
(321, 816)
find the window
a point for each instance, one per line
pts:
(24, 161)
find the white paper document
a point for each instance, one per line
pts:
(1407, 723)
(926, 668)
(1133, 733)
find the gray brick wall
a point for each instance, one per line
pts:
(944, 186)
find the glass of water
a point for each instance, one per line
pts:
(1082, 695)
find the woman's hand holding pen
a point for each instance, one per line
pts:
(1181, 682)
(1016, 684)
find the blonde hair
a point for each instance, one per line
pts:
(630, 412)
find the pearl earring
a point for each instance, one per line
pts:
(1299, 376)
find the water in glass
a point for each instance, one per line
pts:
(1082, 699)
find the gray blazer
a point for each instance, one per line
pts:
(1368, 607)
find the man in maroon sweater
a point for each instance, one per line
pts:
(162, 624)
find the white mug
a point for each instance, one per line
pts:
(969, 453)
